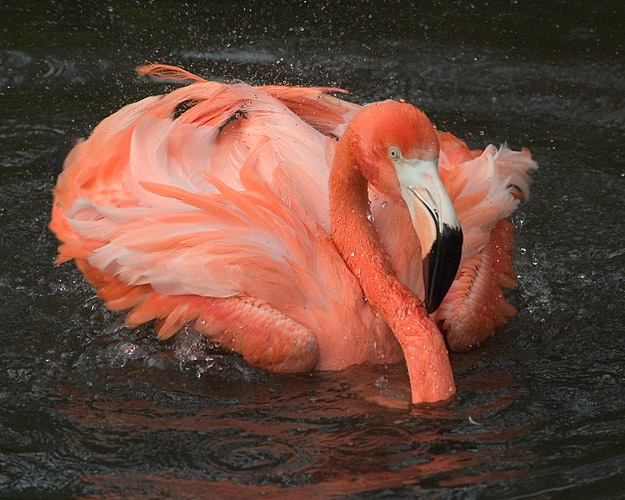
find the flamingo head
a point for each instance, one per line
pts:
(396, 149)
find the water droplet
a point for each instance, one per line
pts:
(384, 204)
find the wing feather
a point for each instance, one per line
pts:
(227, 198)
(485, 187)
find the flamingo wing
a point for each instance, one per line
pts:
(212, 200)
(485, 188)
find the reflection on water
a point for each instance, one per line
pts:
(91, 409)
(249, 437)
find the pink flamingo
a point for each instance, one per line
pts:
(298, 229)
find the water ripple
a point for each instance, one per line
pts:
(19, 68)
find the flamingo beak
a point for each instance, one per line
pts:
(435, 222)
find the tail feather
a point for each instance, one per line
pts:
(166, 72)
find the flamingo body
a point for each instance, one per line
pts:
(209, 206)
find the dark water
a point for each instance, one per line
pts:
(91, 409)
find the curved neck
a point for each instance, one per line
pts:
(357, 240)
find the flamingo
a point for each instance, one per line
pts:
(294, 227)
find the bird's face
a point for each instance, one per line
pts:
(400, 158)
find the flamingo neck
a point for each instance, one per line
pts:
(356, 238)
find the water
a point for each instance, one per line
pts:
(90, 409)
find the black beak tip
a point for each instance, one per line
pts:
(431, 306)
(441, 265)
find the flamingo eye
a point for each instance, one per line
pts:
(394, 153)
